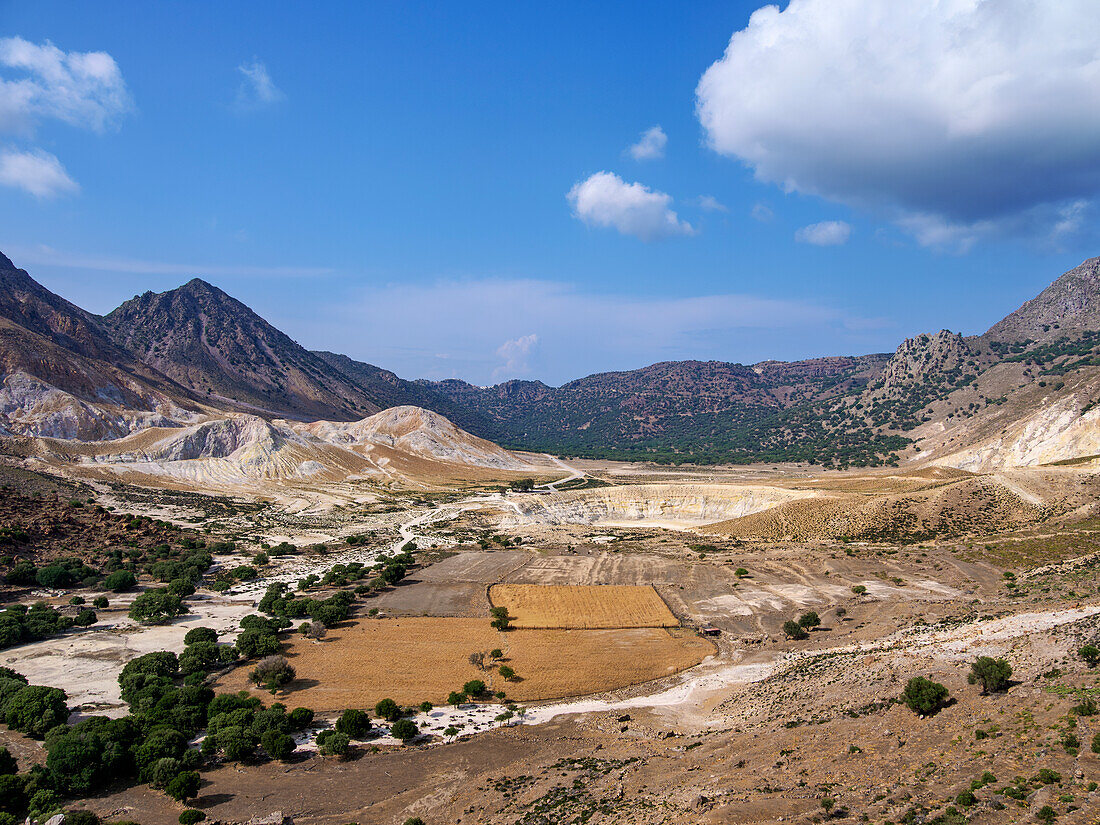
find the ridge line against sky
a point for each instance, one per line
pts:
(450, 195)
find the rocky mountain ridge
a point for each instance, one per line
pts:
(221, 350)
(167, 359)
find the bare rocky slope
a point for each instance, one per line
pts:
(63, 376)
(220, 349)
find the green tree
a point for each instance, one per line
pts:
(120, 581)
(354, 723)
(13, 794)
(272, 672)
(85, 618)
(300, 718)
(156, 607)
(501, 619)
(191, 817)
(924, 696)
(475, 687)
(388, 709)
(794, 630)
(8, 765)
(1091, 654)
(185, 786)
(254, 643)
(333, 743)
(278, 745)
(808, 620)
(455, 698)
(164, 771)
(508, 673)
(993, 674)
(405, 730)
(236, 742)
(36, 709)
(198, 635)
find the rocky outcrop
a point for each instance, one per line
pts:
(925, 359)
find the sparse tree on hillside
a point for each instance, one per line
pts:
(1091, 655)
(501, 619)
(993, 674)
(405, 730)
(272, 672)
(924, 696)
(794, 630)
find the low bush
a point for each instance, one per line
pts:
(924, 696)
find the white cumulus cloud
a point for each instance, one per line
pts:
(514, 352)
(39, 81)
(651, 146)
(257, 89)
(826, 233)
(604, 199)
(37, 172)
(952, 116)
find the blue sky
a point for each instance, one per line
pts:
(448, 190)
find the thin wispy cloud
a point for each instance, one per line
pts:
(579, 331)
(711, 204)
(651, 145)
(762, 212)
(257, 90)
(606, 200)
(47, 256)
(37, 172)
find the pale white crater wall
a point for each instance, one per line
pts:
(687, 504)
(1057, 432)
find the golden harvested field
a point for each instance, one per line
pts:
(425, 658)
(582, 607)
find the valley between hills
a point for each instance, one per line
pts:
(690, 593)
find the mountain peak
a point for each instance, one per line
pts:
(215, 345)
(1070, 304)
(5, 262)
(198, 285)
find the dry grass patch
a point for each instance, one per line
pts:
(582, 607)
(416, 659)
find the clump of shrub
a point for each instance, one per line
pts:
(158, 606)
(793, 630)
(992, 674)
(354, 723)
(924, 696)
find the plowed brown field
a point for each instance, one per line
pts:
(582, 607)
